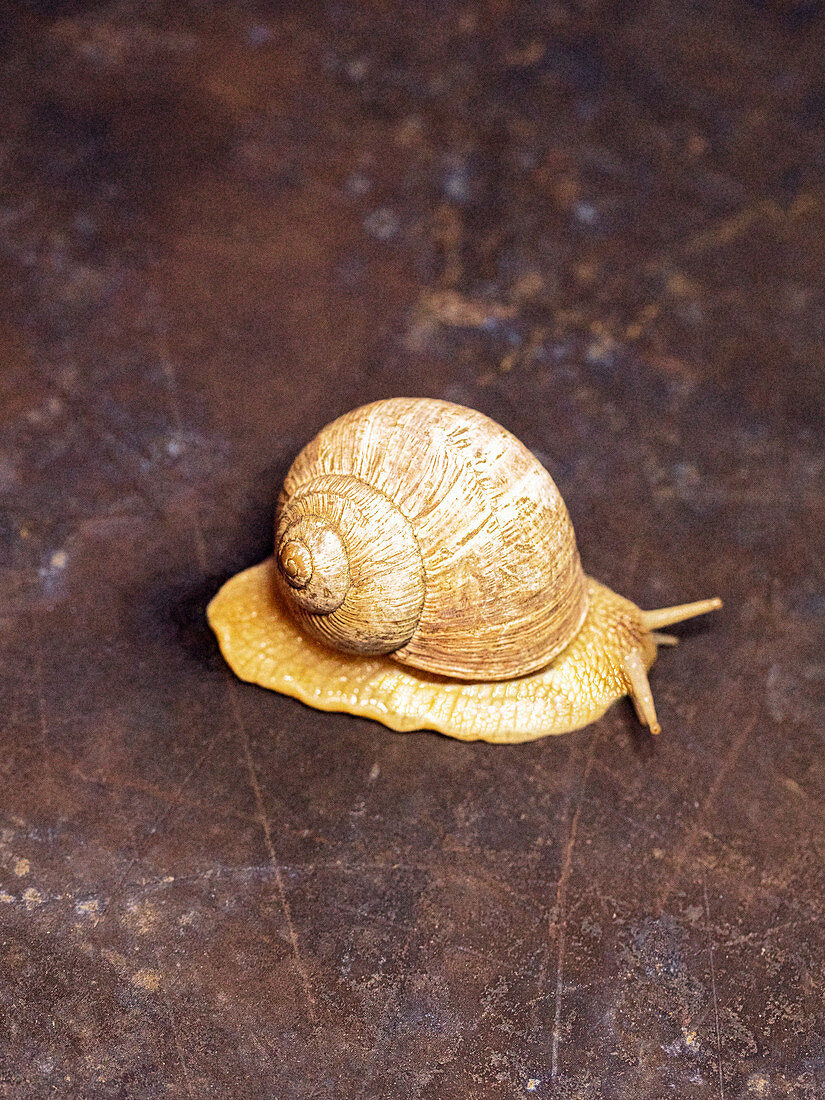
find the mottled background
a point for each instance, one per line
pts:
(603, 224)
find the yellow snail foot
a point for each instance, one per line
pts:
(607, 659)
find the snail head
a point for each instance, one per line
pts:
(641, 636)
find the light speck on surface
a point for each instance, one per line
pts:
(691, 1039)
(258, 34)
(32, 898)
(21, 867)
(44, 1064)
(50, 572)
(585, 213)
(602, 350)
(147, 979)
(357, 69)
(759, 1084)
(357, 184)
(381, 223)
(140, 917)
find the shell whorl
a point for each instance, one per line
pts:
(348, 565)
(314, 562)
(460, 554)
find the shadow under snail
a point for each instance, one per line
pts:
(426, 575)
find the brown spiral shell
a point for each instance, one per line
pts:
(423, 529)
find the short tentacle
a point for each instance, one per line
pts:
(640, 691)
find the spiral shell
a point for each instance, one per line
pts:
(424, 530)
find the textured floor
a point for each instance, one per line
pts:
(602, 224)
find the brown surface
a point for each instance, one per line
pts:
(603, 225)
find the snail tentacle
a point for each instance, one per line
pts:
(640, 693)
(632, 661)
(667, 616)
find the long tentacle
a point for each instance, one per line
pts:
(667, 616)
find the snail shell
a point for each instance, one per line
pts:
(425, 530)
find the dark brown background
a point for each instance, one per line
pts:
(222, 225)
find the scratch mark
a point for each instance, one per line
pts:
(172, 389)
(728, 764)
(270, 848)
(119, 450)
(713, 988)
(378, 1053)
(561, 905)
(729, 229)
(173, 799)
(41, 705)
(173, 1028)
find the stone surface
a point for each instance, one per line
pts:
(222, 225)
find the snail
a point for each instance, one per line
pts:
(426, 574)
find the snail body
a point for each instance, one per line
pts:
(417, 533)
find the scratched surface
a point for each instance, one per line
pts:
(222, 225)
